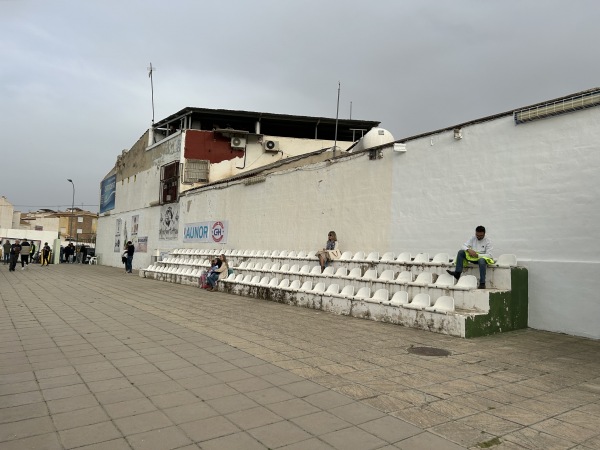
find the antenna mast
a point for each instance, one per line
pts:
(337, 113)
(150, 71)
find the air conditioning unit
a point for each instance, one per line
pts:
(271, 146)
(238, 142)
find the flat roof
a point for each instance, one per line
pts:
(285, 125)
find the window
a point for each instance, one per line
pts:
(169, 183)
(79, 231)
(80, 219)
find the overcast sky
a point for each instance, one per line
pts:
(75, 92)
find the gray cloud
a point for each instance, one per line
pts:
(74, 89)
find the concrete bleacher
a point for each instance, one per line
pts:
(405, 289)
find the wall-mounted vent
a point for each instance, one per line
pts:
(196, 171)
(271, 146)
(566, 105)
(238, 142)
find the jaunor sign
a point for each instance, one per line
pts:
(206, 232)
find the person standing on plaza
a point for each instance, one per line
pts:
(46, 252)
(130, 249)
(32, 251)
(25, 250)
(83, 253)
(15, 251)
(6, 250)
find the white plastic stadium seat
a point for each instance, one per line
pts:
(424, 278)
(332, 289)
(444, 304)
(318, 289)
(364, 293)
(404, 257)
(346, 256)
(440, 258)
(389, 256)
(507, 260)
(372, 257)
(306, 286)
(421, 301)
(421, 258)
(399, 298)
(404, 277)
(466, 283)
(370, 274)
(444, 280)
(347, 292)
(381, 296)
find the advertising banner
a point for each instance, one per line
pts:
(169, 222)
(206, 232)
(108, 190)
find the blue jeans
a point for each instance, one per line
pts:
(462, 255)
(128, 263)
(212, 279)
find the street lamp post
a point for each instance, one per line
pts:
(72, 208)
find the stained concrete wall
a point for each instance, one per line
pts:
(534, 186)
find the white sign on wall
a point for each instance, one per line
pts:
(207, 232)
(169, 222)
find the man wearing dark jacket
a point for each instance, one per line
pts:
(130, 248)
(15, 251)
(25, 250)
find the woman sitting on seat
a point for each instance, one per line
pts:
(330, 252)
(218, 274)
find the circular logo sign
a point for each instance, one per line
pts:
(218, 231)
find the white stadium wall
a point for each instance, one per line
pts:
(534, 186)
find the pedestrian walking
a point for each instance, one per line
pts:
(46, 253)
(129, 249)
(15, 251)
(25, 250)
(6, 249)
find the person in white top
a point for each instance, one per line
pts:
(479, 249)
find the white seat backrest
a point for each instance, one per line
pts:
(319, 288)
(370, 274)
(295, 268)
(292, 254)
(250, 266)
(264, 281)
(387, 275)
(359, 256)
(230, 277)
(399, 298)
(239, 278)
(404, 257)
(266, 266)
(275, 267)
(389, 256)
(467, 282)
(341, 272)
(329, 270)
(421, 300)
(333, 289)
(301, 254)
(274, 282)
(444, 303)
(283, 254)
(312, 254)
(274, 254)
(243, 265)
(424, 278)
(306, 286)
(246, 253)
(347, 291)
(316, 270)
(247, 278)
(373, 256)
(285, 268)
(445, 280)
(363, 292)
(404, 277)
(305, 269)
(355, 273)
(421, 258)
(255, 279)
(441, 258)
(381, 295)
(295, 284)
(284, 283)
(507, 260)
(346, 256)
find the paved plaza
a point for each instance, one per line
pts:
(93, 358)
